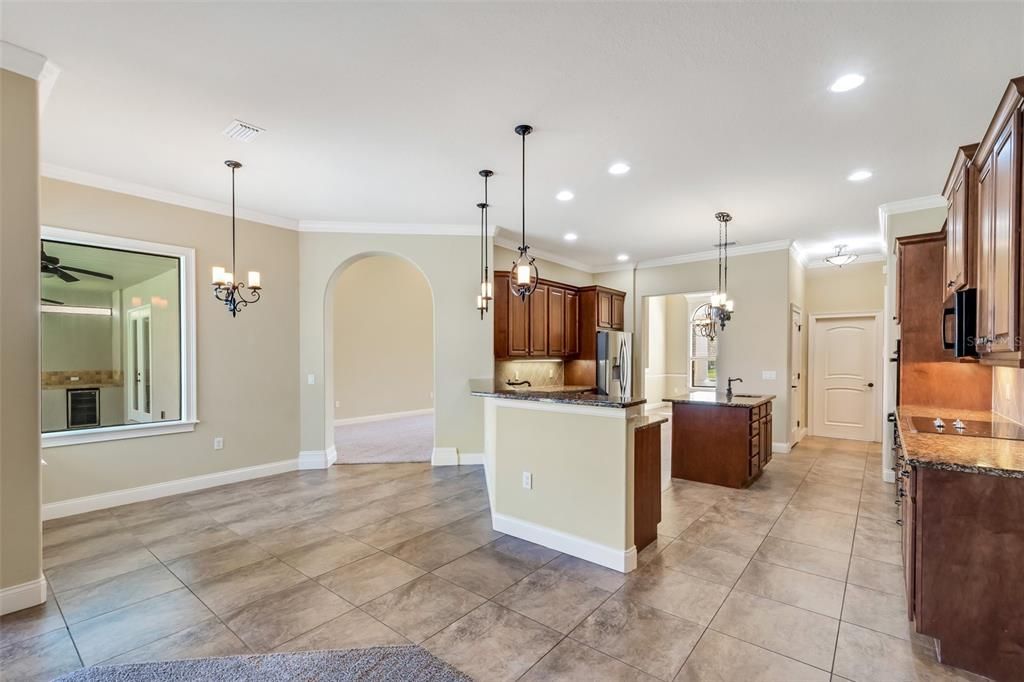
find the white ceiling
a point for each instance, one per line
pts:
(384, 112)
(126, 267)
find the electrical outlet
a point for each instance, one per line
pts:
(768, 375)
(218, 443)
(551, 374)
(528, 480)
(517, 375)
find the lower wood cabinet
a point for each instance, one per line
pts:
(721, 444)
(646, 483)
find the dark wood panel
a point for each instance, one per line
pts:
(572, 322)
(714, 444)
(556, 321)
(1005, 273)
(604, 309)
(618, 312)
(538, 313)
(518, 326)
(501, 313)
(646, 485)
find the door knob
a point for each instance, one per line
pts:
(870, 384)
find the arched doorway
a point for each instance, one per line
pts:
(380, 312)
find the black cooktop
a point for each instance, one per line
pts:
(967, 427)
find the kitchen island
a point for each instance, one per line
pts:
(721, 438)
(573, 470)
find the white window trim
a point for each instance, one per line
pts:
(187, 295)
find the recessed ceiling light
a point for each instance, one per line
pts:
(570, 237)
(859, 175)
(846, 83)
(622, 257)
(564, 195)
(619, 168)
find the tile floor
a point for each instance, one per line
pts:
(402, 439)
(796, 578)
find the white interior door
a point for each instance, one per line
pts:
(843, 382)
(139, 385)
(795, 374)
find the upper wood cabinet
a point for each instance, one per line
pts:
(549, 323)
(997, 163)
(608, 307)
(961, 214)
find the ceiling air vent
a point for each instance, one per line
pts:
(242, 131)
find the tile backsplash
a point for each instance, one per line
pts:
(80, 377)
(1008, 393)
(537, 372)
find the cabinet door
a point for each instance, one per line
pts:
(539, 320)
(618, 312)
(986, 251)
(604, 309)
(572, 322)
(556, 321)
(956, 236)
(1005, 240)
(518, 326)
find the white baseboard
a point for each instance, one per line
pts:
(382, 417)
(115, 498)
(317, 459)
(18, 597)
(441, 457)
(471, 458)
(623, 561)
(781, 447)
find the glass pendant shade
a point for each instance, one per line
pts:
(840, 259)
(525, 280)
(219, 275)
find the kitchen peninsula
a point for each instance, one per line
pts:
(721, 438)
(573, 470)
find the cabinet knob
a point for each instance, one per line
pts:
(950, 283)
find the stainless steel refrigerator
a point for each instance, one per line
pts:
(615, 364)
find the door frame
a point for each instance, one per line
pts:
(130, 316)
(797, 407)
(812, 377)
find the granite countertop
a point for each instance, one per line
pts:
(721, 399)
(993, 456)
(64, 387)
(567, 395)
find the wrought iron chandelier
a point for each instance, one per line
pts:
(483, 301)
(524, 270)
(225, 289)
(710, 318)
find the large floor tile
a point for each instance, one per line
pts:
(807, 558)
(808, 637)
(493, 643)
(290, 538)
(721, 658)
(369, 578)
(553, 599)
(878, 611)
(96, 545)
(728, 514)
(154, 531)
(682, 595)
(207, 639)
(587, 572)
(816, 527)
(703, 562)
(640, 635)
(571, 661)
(389, 532)
(476, 527)
(79, 527)
(117, 632)
(326, 555)
(231, 591)
(723, 538)
(82, 603)
(533, 554)
(432, 550)
(94, 569)
(31, 622)
(877, 575)
(484, 571)
(283, 616)
(423, 607)
(796, 588)
(879, 549)
(176, 546)
(863, 655)
(840, 499)
(209, 563)
(42, 658)
(354, 630)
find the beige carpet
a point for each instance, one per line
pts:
(403, 439)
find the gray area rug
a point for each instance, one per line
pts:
(377, 663)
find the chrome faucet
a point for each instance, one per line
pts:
(728, 392)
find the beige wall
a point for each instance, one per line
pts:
(859, 287)
(247, 366)
(667, 370)
(21, 555)
(503, 259)
(1008, 393)
(463, 346)
(757, 337)
(383, 339)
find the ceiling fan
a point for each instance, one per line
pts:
(51, 301)
(50, 265)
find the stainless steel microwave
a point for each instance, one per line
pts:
(960, 323)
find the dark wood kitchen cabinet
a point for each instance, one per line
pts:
(538, 302)
(556, 321)
(720, 442)
(998, 165)
(547, 324)
(961, 213)
(572, 322)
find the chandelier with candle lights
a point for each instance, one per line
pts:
(225, 289)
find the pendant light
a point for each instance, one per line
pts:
(708, 319)
(225, 288)
(523, 280)
(483, 301)
(839, 259)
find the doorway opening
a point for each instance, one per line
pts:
(844, 365)
(383, 360)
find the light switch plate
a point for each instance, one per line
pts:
(528, 480)
(310, 379)
(768, 375)
(218, 443)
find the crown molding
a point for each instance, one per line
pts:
(134, 189)
(426, 229)
(906, 206)
(547, 255)
(21, 61)
(743, 250)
